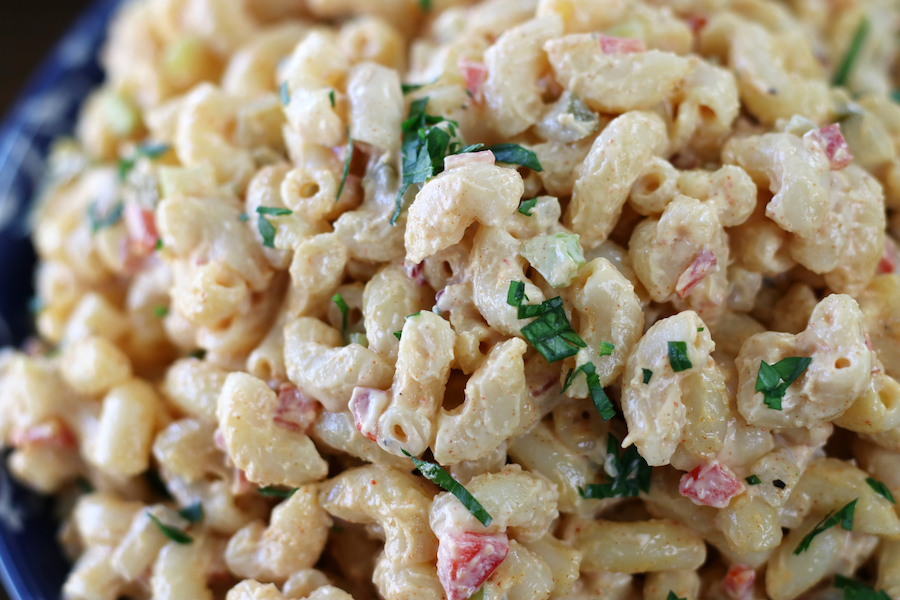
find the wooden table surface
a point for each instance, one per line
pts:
(27, 32)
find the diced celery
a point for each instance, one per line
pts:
(557, 257)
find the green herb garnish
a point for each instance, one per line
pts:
(673, 596)
(331, 97)
(881, 489)
(844, 69)
(647, 375)
(346, 166)
(598, 396)
(160, 311)
(284, 94)
(526, 205)
(514, 154)
(843, 516)
(439, 476)
(173, 533)
(98, 221)
(753, 480)
(193, 513)
(856, 590)
(632, 474)
(345, 310)
(678, 358)
(774, 380)
(266, 230)
(398, 335)
(550, 333)
(276, 492)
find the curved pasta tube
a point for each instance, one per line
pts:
(293, 540)
(326, 370)
(614, 82)
(205, 118)
(268, 453)
(494, 264)
(398, 503)
(522, 574)
(880, 304)
(708, 104)
(376, 106)
(657, 411)
(473, 335)
(404, 418)
(521, 504)
(496, 403)
(180, 570)
(876, 410)
(609, 311)
(389, 297)
(317, 270)
(788, 575)
(840, 371)
(683, 255)
(449, 203)
(514, 63)
(251, 70)
(338, 431)
(612, 166)
(828, 484)
(796, 170)
(250, 589)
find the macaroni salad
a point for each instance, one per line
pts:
(449, 299)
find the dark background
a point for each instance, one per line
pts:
(27, 32)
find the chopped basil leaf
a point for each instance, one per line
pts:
(285, 94)
(678, 357)
(266, 230)
(786, 371)
(243, 218)
(345, 310)
(425, 4)
(346, 166)
(632, 474)
(550, 333)
(173, 533)
(331, 97)
(844, 517)
(153, 150)
(526, 206)
(412, 87)
(598, 396)
(160, 311)
(198, 354)
(124, 167)
(881, 489)
(455, 149)
(673, 596)
(398, 334)
(856, 590)
(193, 513)
(753, 480)
(606, 349)
(98, 221)
(414, 315)
(436, 474)
(647, 375)
(276, 492)
(159, 245)
(516, 293)
(424, 148)
(700, 329)
(514, 154)
(859, 37)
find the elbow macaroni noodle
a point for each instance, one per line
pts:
(626, 270)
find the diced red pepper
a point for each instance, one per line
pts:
(475, 74)
(295, 411)
(618, 45)
(834, 145)
(53, 433)
(466, 560)
(738, 582)
(710, 484)
(704, 264)
(141, 226)
(888, 262)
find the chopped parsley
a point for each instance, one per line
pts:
(855, 590)
(526, 206)
(266, 230)
(159, 245)
(173, 533)
(700, 329)
(284, 94)
(160, 311)
(276, 492)
(398, 334)
(843, 516)
(753, 480)
(631, 474)
(193, 513)
(550, 333)
(345, 310)
(606, 349)
(881, 489)
(150, 150)
(648, 374)
(425, 5)
(774, 380)
(673, 596)
(102, 221)
(598, 396)
(514, 154)
(678, 358)
(439, 476)
(846, 67)
(346, 166)
(331, 97)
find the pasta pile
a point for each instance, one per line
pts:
(443, 299)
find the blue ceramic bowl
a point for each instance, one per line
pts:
(31, 564)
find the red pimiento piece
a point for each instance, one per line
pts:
(710, 484)
(617, 45)
(833, 143)
(295, 411)
(704, 264)
(52, 433)
(738, 582)
(366, 405)
(466, 560)
(141, 226)
(888, 262)
(475, 74)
